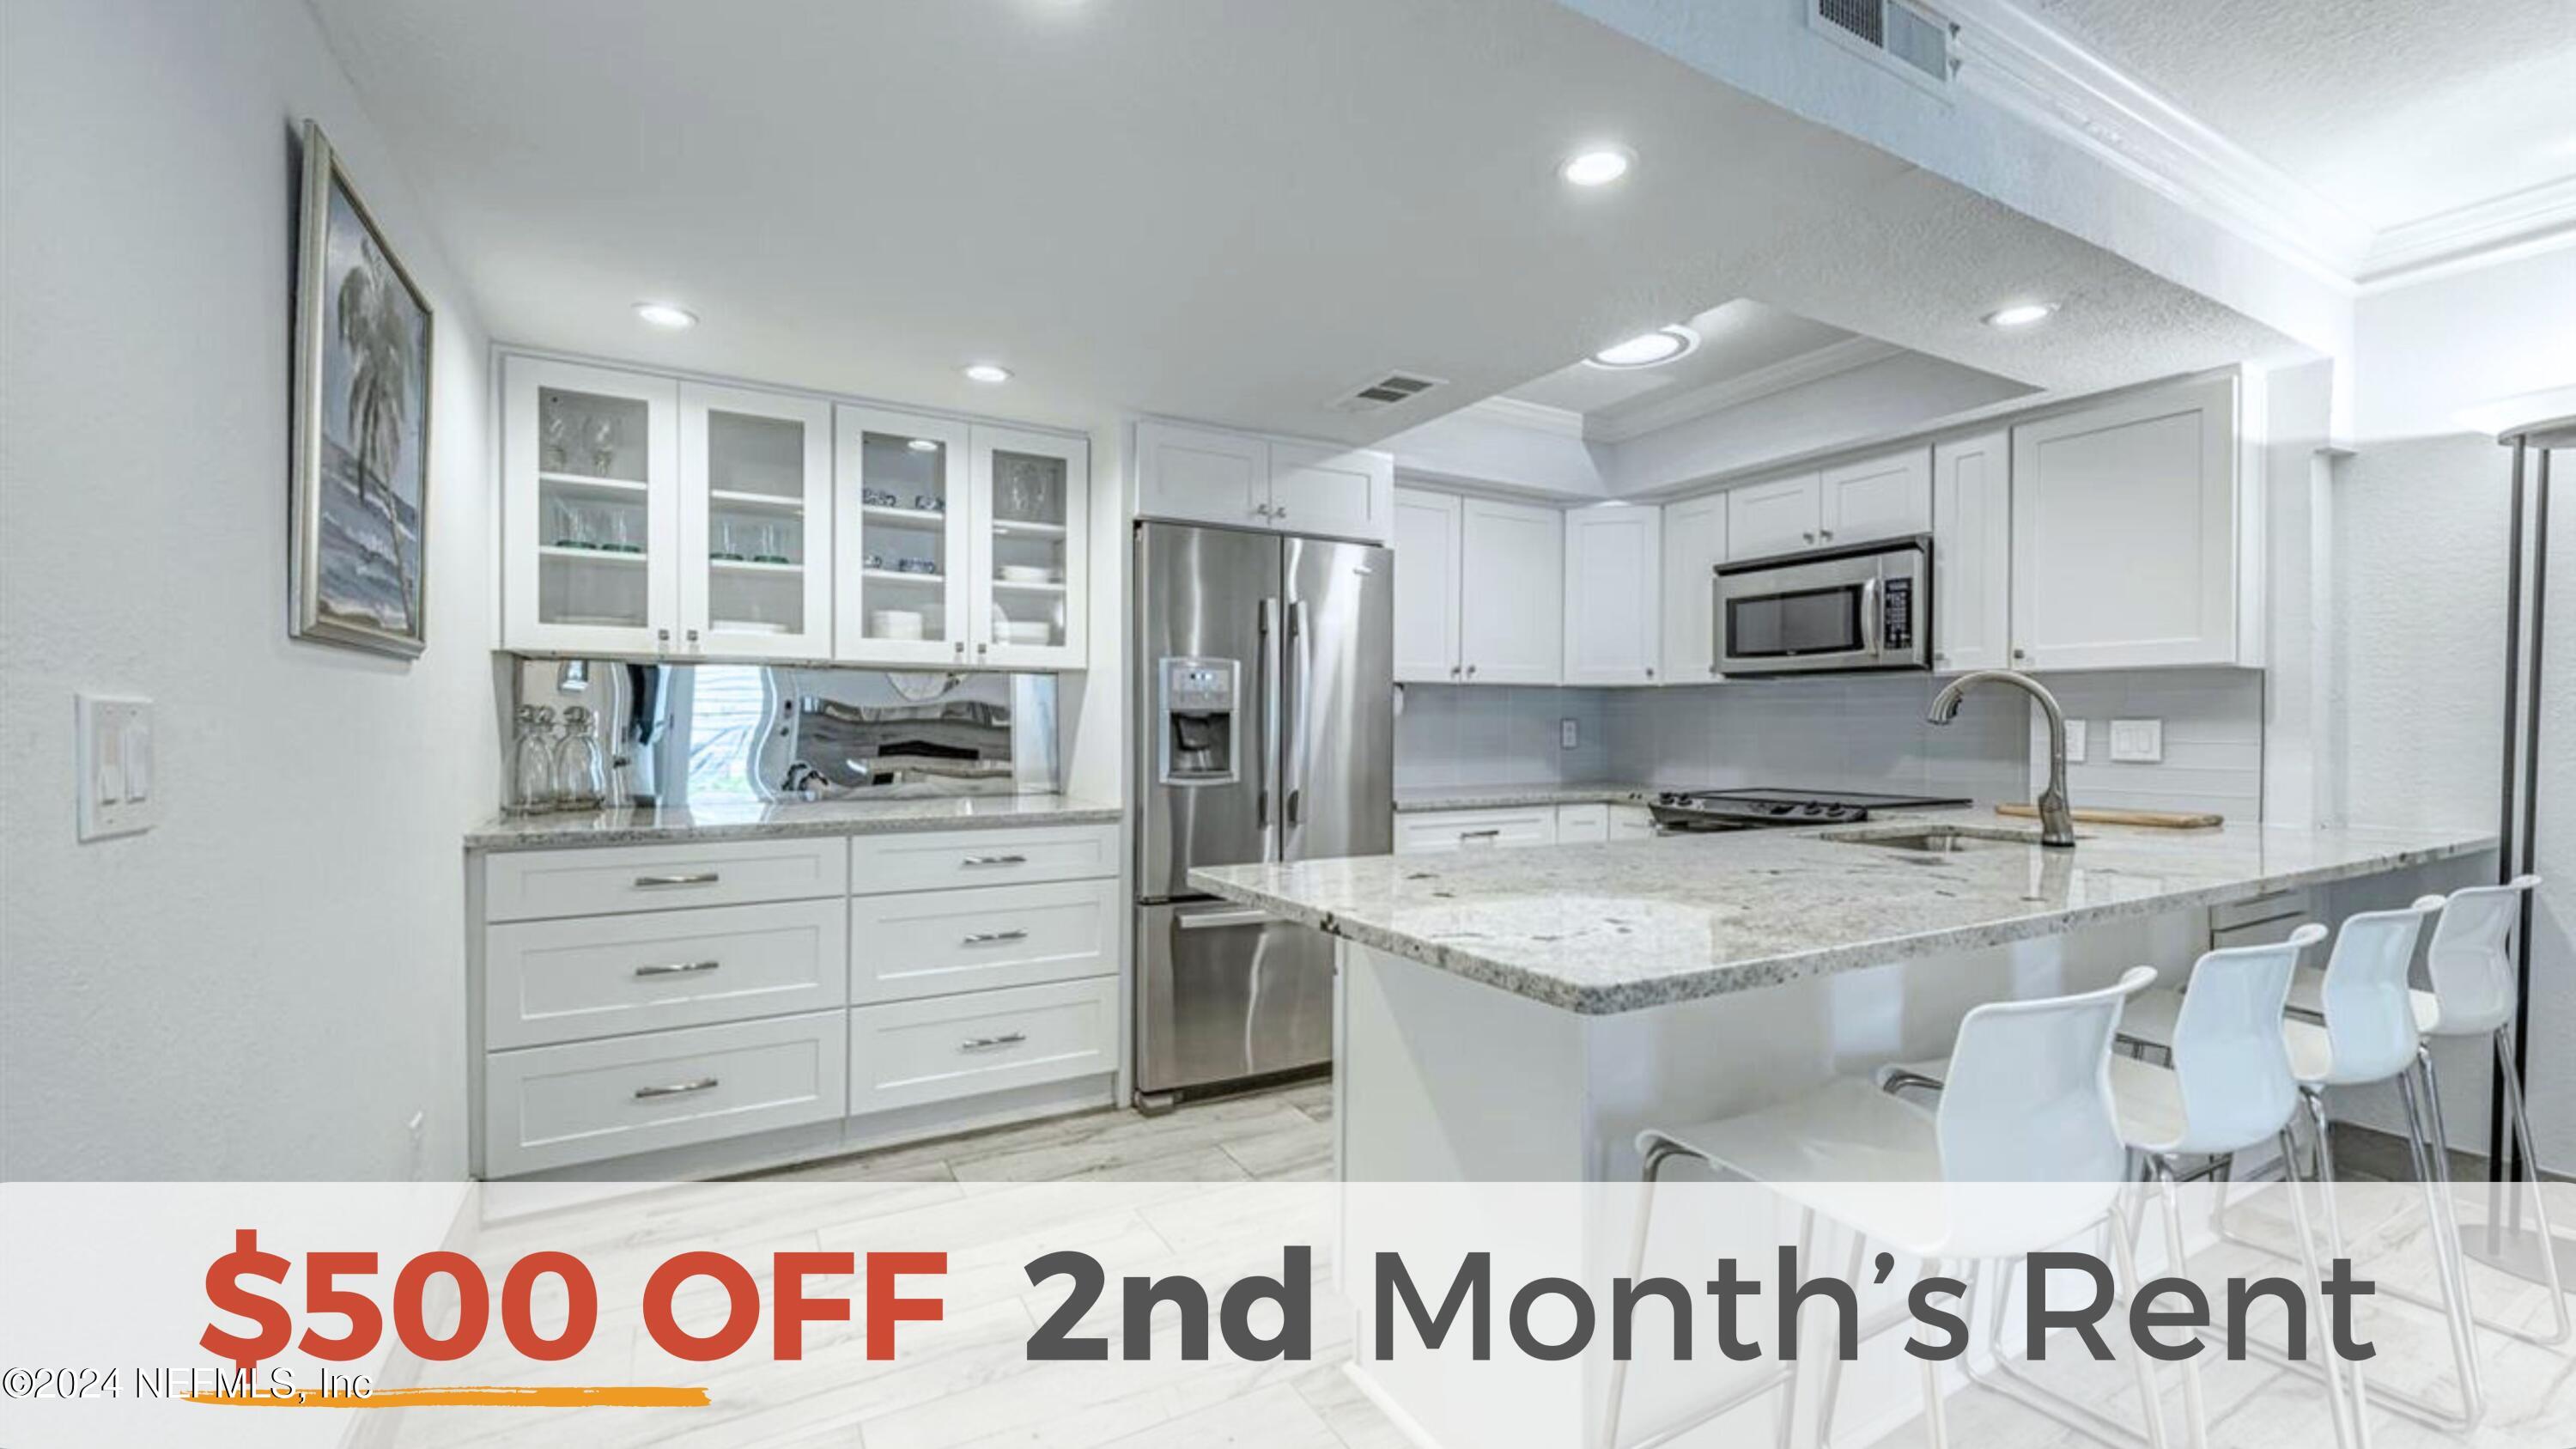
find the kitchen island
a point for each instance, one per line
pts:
(1521, 1014)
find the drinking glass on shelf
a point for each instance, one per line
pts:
(558, 434)
(603, 444)
(581, 767)
(532, 762)
(621, 531)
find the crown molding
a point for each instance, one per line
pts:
(1511, 412)
(2499, 228)
(2036, 71)
(1830, 360)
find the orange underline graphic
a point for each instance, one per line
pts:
(477, 1396)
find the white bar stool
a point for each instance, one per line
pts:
(2369, 1036)
(2471, 965)
(2029, 1102)
(2229, 1089)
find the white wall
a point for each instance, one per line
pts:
(1858, 732)
(2419, 600)
(2213, 739)
(1469, 735)
(271, 984)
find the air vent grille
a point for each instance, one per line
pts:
(1907, 38)
(1385, 392)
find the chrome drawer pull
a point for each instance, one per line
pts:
(675, 1089)
(1490, 833)
(987, 1043)
(995, 938)
(649, 882)
(677, 968)
(995, 860)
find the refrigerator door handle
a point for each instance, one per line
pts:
(1269, 759)
(1293, 768)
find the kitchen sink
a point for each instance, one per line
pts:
(1937, 839)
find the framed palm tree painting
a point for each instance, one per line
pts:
(361, 470)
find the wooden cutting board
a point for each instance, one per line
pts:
(2157, 819)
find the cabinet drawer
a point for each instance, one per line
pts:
(1420, 834)
(529, 885)
(947, 859)
(1582, 824)
(1631, 822)
(571, 980)
(928, 943)
(553, 1106)
(910, 1052)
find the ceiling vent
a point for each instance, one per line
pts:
(1909, 39)
(1385, 392)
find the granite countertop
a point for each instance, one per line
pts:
(759, 819)
(1602, 929)
(1503, 797)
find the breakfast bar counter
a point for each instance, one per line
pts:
(1520, 1014)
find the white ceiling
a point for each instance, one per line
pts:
(2393, 110)
(1737, 339)
(1231, 210)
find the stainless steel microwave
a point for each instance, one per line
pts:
(1834, 610)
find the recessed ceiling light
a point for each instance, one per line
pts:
(2020, 314)
(988, 372)
(1650, 349)
(663, 314)
(922, 445)
(1597, 165)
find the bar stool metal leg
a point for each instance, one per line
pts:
(2464, 1352)
(2520, 1122)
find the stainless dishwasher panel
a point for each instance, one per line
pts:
(1225, 992)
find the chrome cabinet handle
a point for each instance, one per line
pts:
(1826, 534)
(994, 860)
(656, 882)
(1650, 671)
(1220, 920)
(1278, 511)
(987, 1043)
(664, 635)
(1490, 833)
(1453, 671)
(961, 647)
(994, 938)
(677, 968)
(674, 1089)
(693, 636)
(1809, 535)
(2021, 654)
(1471, 671)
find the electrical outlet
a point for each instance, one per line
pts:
(119, 794)
(2138, 741)
(1569, 734)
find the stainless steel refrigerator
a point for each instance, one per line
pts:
(1264, 668)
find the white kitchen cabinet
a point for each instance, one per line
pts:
(1694, 545)
(1433, 832)
(590, 500)
(1426, 587)
(1029, 496)
(1613, 594)
(1972, 553)
(1511, 612)
(905, 551)
(1336, 492)
(2126, 533)
(1201, 475)
(1780, 516)
(755, 559)
(1631, 822)
(1584, 824)
(1885, 496)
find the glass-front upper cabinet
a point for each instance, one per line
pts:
(904, 549)
(1031, 492)
(591, 516)
(755, 524)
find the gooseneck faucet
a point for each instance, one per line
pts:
(2056, 819)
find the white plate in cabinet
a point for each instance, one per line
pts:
(1430, 832)
(532, 884)
(595, 976)
(906, 1053)
(554, 1106)
(1582, 824)
(927, 943)
(953, 859)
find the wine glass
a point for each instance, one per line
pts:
(603, 444)
(558, 434)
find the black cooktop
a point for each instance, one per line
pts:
(1769, 809)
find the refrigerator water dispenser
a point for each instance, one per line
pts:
(1196, 719)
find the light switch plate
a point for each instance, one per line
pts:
(2138, 741)
(117, 784)
(2075, 742)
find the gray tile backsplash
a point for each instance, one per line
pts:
(1857, 732)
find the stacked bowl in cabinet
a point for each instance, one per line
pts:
(636, 999)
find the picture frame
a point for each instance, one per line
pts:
(359, 479)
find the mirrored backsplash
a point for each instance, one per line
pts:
(682, 734)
